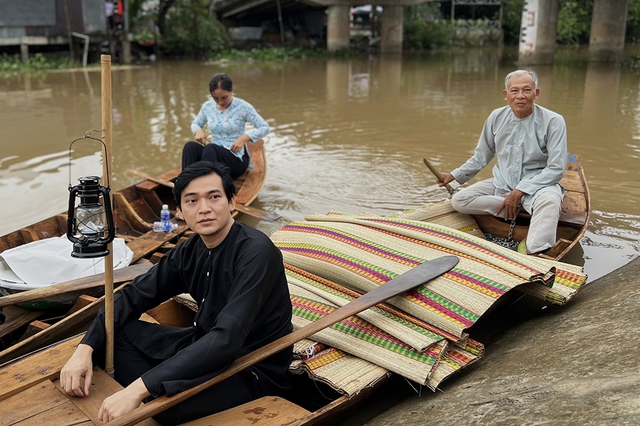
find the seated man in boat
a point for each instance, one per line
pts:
(531, 145)
(236, 275)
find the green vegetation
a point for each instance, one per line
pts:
(574, 22)
(424, 28)
(193, 35)
(419, 35)
(37, 63)
(269, 54)
(188, 28)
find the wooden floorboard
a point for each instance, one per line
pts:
(41, 404)
(16, 376)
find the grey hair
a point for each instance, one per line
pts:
(518, 73)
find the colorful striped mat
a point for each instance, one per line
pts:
(362, 252)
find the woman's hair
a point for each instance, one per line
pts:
(203, 168)
(220, 81)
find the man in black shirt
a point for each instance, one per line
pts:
(235, 274)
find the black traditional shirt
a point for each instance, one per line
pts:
(243, 304)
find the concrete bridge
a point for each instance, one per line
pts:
(338, 19)
(538, 30)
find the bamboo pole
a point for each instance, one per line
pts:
(106, 167)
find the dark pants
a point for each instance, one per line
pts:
(130, 363)
(194, 151)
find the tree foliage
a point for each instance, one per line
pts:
(189, 31)
(424, 28)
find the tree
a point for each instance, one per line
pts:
(163, 10)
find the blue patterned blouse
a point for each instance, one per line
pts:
(228, 125)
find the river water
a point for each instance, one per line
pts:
(347, 134)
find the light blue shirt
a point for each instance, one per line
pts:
(531, 151)
(228, 125)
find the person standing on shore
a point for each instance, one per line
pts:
(531, 145)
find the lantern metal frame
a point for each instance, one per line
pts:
(90, 245)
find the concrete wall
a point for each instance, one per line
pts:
(608, 27)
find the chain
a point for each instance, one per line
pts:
(511, 228)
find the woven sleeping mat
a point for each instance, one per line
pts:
(348, 374)
(360, 338)
(362, 252)
(384, 344)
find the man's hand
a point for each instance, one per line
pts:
(75, 376)
(201, 137)
(511, 204)
(124, 401)
(446, 179)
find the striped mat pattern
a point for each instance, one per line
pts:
(362, 339)
(331, 259)
(362, 252)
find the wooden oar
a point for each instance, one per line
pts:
(119, 276)
(438, 175)
(251, 211)
(410, 279)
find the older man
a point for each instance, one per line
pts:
(531, 145)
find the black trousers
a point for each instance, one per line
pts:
(130, 363)
(194, 151)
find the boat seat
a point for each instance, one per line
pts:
(265, 411)
(566, 218)
(149, 186)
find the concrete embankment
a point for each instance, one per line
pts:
(573, 365)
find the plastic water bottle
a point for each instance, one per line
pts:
(165, 218)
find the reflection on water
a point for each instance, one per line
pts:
(347, 134)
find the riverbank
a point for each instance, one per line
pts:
(576, 364)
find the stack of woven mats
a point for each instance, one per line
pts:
(331, 259)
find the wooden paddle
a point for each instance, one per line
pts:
(438, 175)
(251, 211)
(410, 279)
(119, 276)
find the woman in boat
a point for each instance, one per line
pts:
(226, 117)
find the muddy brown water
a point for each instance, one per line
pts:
(347, 134)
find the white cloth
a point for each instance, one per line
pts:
(45, 262)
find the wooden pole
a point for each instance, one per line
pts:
(106, 167)
(69, 36)
(280, 22)
(438, 176)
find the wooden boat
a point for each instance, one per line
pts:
(135, 209)
(34, 378)
(574, 218)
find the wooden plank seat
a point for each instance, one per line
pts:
(151, 241)
(17, 317)
(265, 411)
(149, 186)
